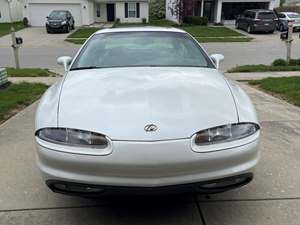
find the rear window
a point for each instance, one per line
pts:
(265, 15)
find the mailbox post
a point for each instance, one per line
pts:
(16, 42)
(289, 42)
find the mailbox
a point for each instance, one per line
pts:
(284, 35)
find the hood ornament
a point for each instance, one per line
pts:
(151, 128)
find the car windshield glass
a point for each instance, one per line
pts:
(125, 49)
(265, 15)
(294, 15)
(57, 15)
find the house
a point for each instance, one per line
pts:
(216, 11)
(86, 12)
(15, 7)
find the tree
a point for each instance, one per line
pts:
(176, 9)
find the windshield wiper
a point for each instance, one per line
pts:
(86, 68)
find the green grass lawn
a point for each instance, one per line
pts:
(29, 72)
(5, 27)
(15, 97)
(287, 88)
(84, 32)
(207, 31)
(223, 39)
(262, 68)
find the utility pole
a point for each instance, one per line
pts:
(289, 42)
(13, 38)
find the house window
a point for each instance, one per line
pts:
(132, 9)
(98, 10)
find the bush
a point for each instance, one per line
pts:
(118, 20)
(279, 62)
(288, 9)
(294, 62)
(196, 20)
(144, 20)
(25, 22)
(157, 9)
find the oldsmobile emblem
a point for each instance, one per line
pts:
(151, 128)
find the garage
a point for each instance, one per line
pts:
(232, 9)
(39, 11)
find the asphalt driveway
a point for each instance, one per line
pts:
(273, 198)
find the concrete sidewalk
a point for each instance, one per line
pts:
(273, 198)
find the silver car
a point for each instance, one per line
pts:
(145, 110)
(289, 17)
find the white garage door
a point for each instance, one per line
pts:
(39, 11)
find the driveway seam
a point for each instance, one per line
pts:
(251, 200)
(200, 212)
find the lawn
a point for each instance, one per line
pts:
(287, 88)
(5, 27)
(84, 32)
(29, 72)
(262, 68)
(201, 33)
(207, 31)
(15, 97)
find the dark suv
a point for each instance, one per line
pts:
(255, 20)
(60, 20)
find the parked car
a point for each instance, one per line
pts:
(145, 109)
(60, 20)
(285, 18)
(257, 20)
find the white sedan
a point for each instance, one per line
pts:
(145, 109)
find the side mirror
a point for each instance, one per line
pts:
(217, 59)
(65, 61)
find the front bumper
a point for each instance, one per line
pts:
(147, 164)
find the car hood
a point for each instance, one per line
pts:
(120, 102)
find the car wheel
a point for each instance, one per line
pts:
(73, 27)
(272, 31)
(281, 28)
(48, 31)
(249, 30)
(237, 26)
(67, 29)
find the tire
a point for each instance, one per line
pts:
(73, 26)
(249, 30)
(237, 26)
(281, 28)
(48, 31)
(67, 29)
(272, 31)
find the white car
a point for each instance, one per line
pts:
(145, 109)
(288, 17)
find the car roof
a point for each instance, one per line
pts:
(136, 29)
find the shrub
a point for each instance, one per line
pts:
(196, 20)
(279, 62)
(294, 62)
(118, 20)
(288, 9)
(25, 21)
(157, 9)
(144, 20)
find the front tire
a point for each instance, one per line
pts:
(67, 29)
(249, 29)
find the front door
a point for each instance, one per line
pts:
(110, 12)
(208, 10)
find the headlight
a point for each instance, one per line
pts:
(63, 22)
(73, 137)
(225, 133)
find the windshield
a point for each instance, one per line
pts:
(125, 49)
(266, 15)
(294, 15)
(57, 15)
